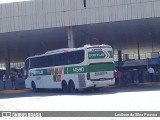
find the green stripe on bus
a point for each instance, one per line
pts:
(42, 72)
(46, 72)
(101, 67)
(54, 78)
(75, 69)
(78, 69)
(56, 71)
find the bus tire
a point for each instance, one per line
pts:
(34, 87)
(64, 86)
(71, 87)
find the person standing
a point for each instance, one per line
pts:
(140, 76)
(120, 77)
(13, 79)
(157, 75)
(151, 73)
(4, 81)
(116, 79)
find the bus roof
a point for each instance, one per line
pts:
(70, 49)
(95, 46)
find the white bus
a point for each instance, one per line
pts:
(71, 69)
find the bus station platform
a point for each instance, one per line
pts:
(19, 87)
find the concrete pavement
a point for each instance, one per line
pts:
(21, 87)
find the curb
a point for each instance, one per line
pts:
(134, 84)
(151, 83)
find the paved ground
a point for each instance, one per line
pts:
(125, 98)
(131, 98)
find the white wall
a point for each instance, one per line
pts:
(37, 14)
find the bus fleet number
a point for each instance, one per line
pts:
(78, 69)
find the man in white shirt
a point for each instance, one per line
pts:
(151, 73)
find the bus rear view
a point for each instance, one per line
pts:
(101, 66)
(71, 69)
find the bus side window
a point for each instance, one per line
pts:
(65, 59)
(44, 61)
(48, 61)
(61, 59)
(58, 59)
(37, 62)
(52, 60)
(76, 57)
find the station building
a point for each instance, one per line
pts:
(30, 27)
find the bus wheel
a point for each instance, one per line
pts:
(71, 86)
(34, 87)
(64, 86)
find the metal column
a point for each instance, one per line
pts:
(7, 62)
(70, 37)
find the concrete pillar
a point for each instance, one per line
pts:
(70, 37)
(138, 50)
(7, 62)
(119, 57)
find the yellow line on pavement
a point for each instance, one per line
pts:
(13, 91)
(151, 83)
(145, 83)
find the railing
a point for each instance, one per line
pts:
(133, 56)
(12, 65)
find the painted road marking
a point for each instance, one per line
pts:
(13, 91)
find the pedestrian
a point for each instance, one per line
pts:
(136, 79)
(157, 75)
(140, 76)
(129, 77)
(158, 80)
(4, 81)
(115, 75)
(13, 79)
(119, 77)
(125, 81)
(151, 73)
